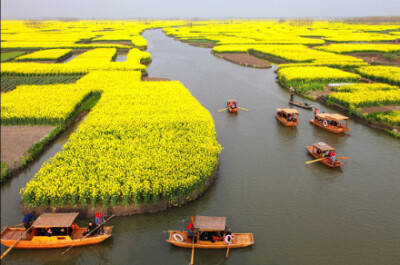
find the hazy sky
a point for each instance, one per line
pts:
(197, 8)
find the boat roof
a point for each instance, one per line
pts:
(333, 116)
(210, 223)
(323, 146)
(55, 220)
(288, 111)
(232, 99)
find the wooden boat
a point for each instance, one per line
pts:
(209, 224)
(231, 104)
(300, 104)
(55, 221)
(321, 149)
(289, 117)
(331, 122)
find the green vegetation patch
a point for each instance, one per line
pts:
(8, 83)
(7, 56)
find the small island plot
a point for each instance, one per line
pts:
(289, 117)
(65, 233)
(334, 123)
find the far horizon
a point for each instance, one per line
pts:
(202, 10)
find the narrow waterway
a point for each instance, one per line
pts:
(299, 214)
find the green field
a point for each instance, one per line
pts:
(9, 83)
(7, 56)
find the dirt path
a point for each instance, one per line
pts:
(244, 59)
(379, 109)
(377, 58)
(152, 78)
(129, 43)
(16, 140)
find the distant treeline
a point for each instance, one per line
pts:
(373, 20)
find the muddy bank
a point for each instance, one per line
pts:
(244, 59)
(377, 58)
(202, 44)
(16, 140)
(152, 78)
(267, 57)
(121, 210)
(379, 109)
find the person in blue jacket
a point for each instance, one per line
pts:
(28, 220)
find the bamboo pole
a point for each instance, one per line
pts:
(192, 258)
(87, 235)
(227, 251)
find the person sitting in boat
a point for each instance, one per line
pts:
(28, 220)
(233, 105)
(216, 236)
(290, 117)
(99, 220)
(49, 233)
(90, 229)
(228, 235)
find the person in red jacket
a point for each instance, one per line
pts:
(332, 157)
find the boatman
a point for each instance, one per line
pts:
(99, 221)
(316, 111)
(190, 231)
(291, 97)
(28, 220)
(332, 157)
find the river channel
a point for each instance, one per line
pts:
(299, 214)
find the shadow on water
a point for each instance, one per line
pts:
(299, 214)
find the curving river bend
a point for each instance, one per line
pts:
(299, 214)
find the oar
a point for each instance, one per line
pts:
(316, 160)
(87, 235)
(243, 109)
(192, 258)
(15, 243)
(227, 251)
(222, 109)
(312, 161)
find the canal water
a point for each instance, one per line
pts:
(299, 214)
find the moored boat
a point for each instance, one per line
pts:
(73, 235)
(210, 226)
(300, 104)
(331, 122)
(289, 117)
(323, 151)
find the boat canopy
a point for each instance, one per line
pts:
(210, 223)
(231, 100)
(323, 146)
(335, 116)
(55, 220)
(287, 111)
